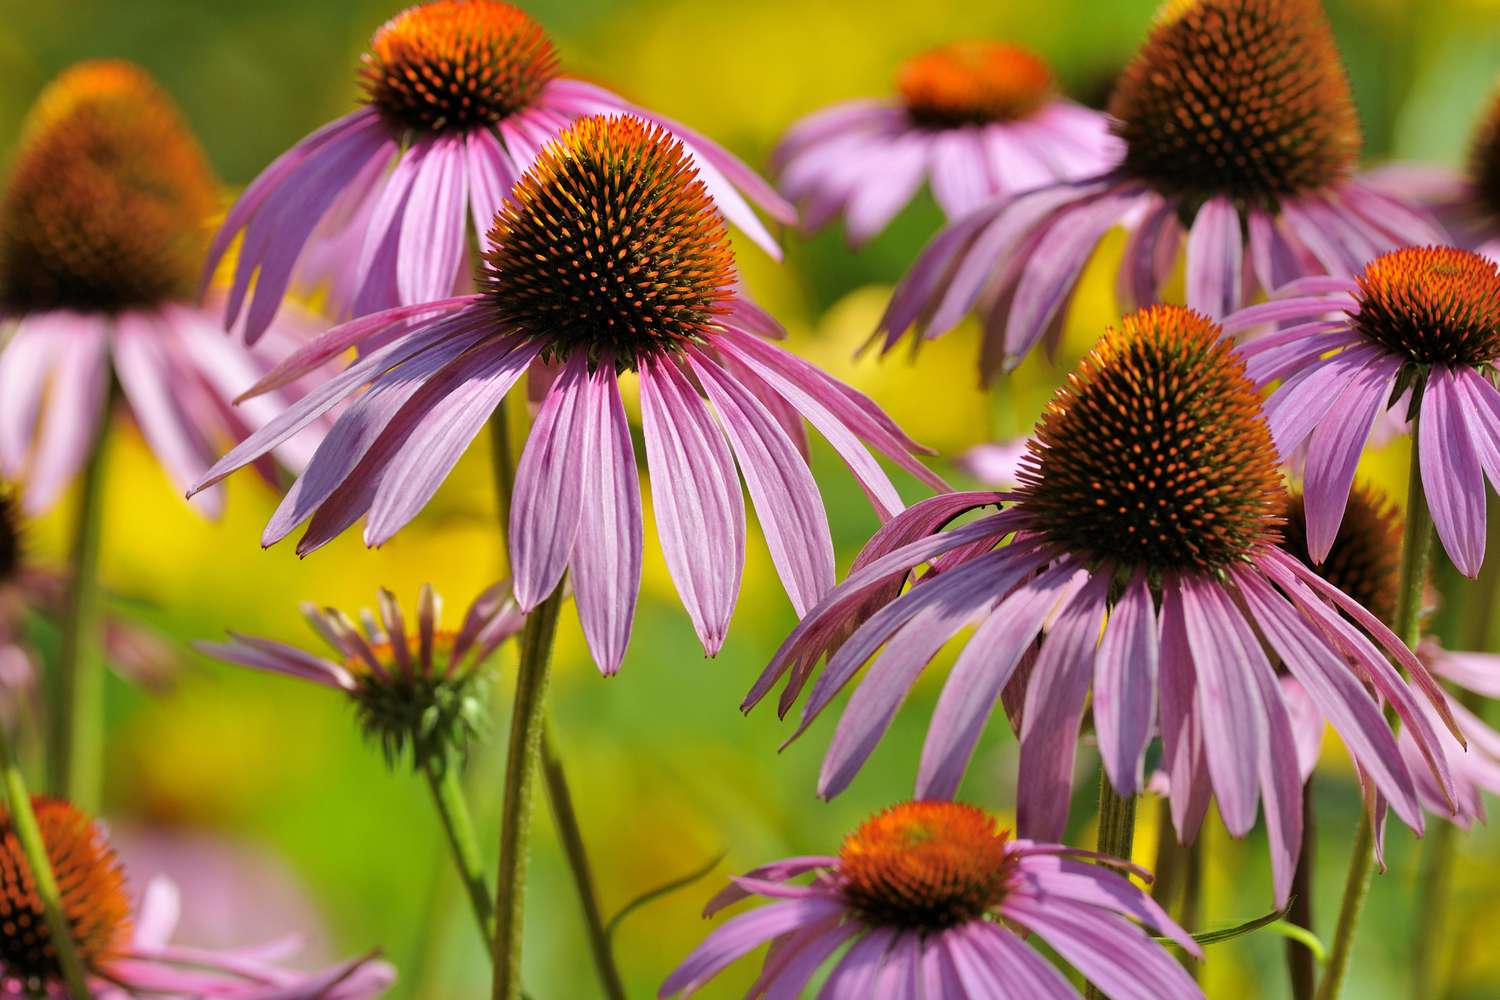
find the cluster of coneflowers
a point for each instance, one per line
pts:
(488, 233)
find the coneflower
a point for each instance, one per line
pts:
(935, 900)
(1241, 144)
(972, 119)
(460, 97)
(1142, 567)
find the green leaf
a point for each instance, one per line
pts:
(1274, 921)
(665, 889)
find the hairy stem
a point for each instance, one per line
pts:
(1116, 835)
(453, 810)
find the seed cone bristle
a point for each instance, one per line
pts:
(610, 244)
(1365, 560)
(974, 83)
(925, 865)
(92, 889)
(108, 201)
(1154, 454)
(1245, 98)
(457, 64)
(1433, 305)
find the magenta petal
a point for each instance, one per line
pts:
(607, 555)
(786, 497)
(1302, 402)
(491, 176)
(547, 504)
(1016, 964)
(982, 670)
(434, 231)
(1334, 448)
(73, 415)
(742, 935)
(1227, 700)
(1054, 709)
(26, 362)
(1125, 686)
(700, 510)
(1215, 252)
(1451, 473)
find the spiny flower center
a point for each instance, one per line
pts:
(925, 865)
(90, 882)
(1484, 155)
(1365, 560)
(610, 244)
(1154, 453)
(974, 83)
(1245, 98)
(425, 702)
(1433, 305)
(457, 64)
(108, 199)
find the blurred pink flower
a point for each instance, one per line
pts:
(1423, 319)
(933, 900)
(974, 119)
(1141, 567)
(99, 245)
(126, 948)
(460, 96)
(996, 464)
(653, 290)
(1233, 112)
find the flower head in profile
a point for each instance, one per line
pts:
(418, 688)
(101, 237)
(1241, 142)
(609, 258)
(1419, 327)
(975, 120)
(459, 98)
(125, 948)
(933, 899)
(1141, 568)
(1466, 201)
(1364, 562)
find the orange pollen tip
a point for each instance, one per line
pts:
(457, 64)
(610, 244)
(974, 83)
(385, 655)
(1154, 453)
(106, 204)
(91, 885)
(1244, 98)
(925, 865)
(1432, 305)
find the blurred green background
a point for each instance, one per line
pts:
(667, 772)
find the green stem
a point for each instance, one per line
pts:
(1116, 836)
(1416, 553)
(1301, 963)
(520, 778)
(453, 810)
(75, 736)
(571, 836)
(23, 822)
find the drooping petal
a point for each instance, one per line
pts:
(1125, 686)
(607, 555)
(742, 935)
(1334, 448)
(435, 230)
(72, 418)
(1215, 251)
(26, 363)
(1451, 474)
(548, 499)
(700, 511)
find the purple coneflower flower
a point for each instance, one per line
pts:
(934, 900)
(974, 119)
(1365, 563)
(460, 95)
(101, 238)
(126, 950)
(1141, 566)
(1235, 113)
(420, 688)
(1466, 202)
(609, 257)
(1425, 319)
